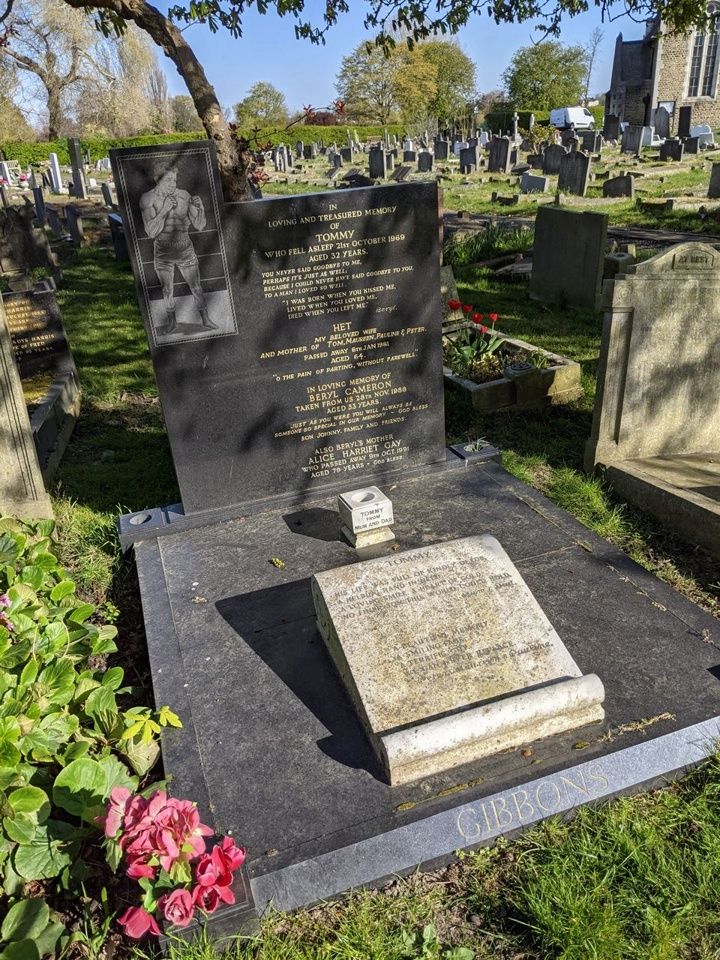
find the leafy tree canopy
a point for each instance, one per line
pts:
(546, 75)
(264, 106)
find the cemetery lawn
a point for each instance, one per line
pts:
(634, 879)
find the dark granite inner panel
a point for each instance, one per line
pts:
(234, 647)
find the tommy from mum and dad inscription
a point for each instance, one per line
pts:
(332, 370)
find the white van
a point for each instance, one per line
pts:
(566, 117)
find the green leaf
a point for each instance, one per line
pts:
(81, 613)
(113, 677)
(26, 920)
(21, 950)
(57, 681)
(141, 756)
(166, 716)
(33, 575)
(117, 775)
(21, 828)
(47, 942)
(54, 639)
(61, 590)
(31, 800)
(80, 787)
(9, 548)
(102, 706)
(9, 737)
(29, 673)
(75, 751)
(41, 859)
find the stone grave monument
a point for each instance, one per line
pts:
(568, 255)
(296, 342)
(42, 351)
(22, 491)
(574, 173)
(656, 427)
(552, 158)
(622, 186)
(499, 159)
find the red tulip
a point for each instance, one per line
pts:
(493, 317)
(477, 318)
(454, 304)
(136, 922)
(466, 308)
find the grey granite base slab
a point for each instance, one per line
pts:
(271, 748)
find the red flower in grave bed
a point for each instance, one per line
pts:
(483, 329)
(477, 318)
(178, 907)
(466, 308)
(454, 304)
(493, 318)
(136, 922)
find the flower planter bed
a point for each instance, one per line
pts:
(526, 389)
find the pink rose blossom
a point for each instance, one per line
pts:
(136, 922)
(177, 907)
(206, 898)
(234, 856)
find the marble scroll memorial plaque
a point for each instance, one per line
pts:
(445, 666)
(295, 340)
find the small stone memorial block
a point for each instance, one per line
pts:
(622, 186)
(469, 159)
(692, 146)
(409, 156)
(499, 160)
(672, 149)
(295, 340)
(574, 173)
(552, 157)
(346, 154)
(366, 515)
(442, 149)
(447, 656)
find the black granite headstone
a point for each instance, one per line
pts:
(684, 122)
(37, 333)
(295, 340)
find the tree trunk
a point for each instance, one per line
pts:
(54, 111)
(234, 162)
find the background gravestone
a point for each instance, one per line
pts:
(533, 184)
(692, 146)
(662, 122)
(574, 173)
(552, 157)
(622, 186)
(317, 367)
(714, 187)
(499, 160)
(22, 491)
(78, 171)
(672, 149)
(568, 255)
(684, 122)
(611, 127)
(632, 139)
(656, 425)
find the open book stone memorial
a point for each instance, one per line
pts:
(455, 696)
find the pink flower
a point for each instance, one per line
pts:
(177, 907)
(140, 867)
(234, 856)
(6, 622)
(4, 600)
(213, 871)
(136, 922)
(206, 898)
(113, 819)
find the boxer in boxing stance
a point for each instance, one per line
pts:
(168, 216)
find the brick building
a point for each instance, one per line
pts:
(666, 70)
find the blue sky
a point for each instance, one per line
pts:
(306, 74)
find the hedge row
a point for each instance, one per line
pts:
(27, 153)
(502, 119)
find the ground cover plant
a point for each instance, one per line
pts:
(596, 887)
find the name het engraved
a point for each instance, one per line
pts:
(525, 805)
